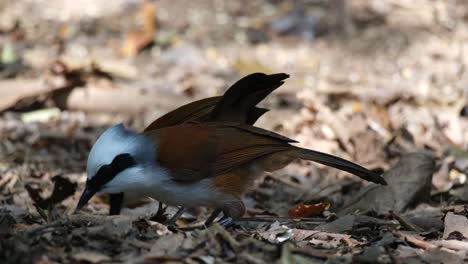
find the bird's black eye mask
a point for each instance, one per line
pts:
(107, 172)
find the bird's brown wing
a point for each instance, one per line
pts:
(195, 111)
(238, 104)
(209, 150)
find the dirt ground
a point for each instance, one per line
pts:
(381, 83)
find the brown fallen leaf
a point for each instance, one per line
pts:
(308, 210)
(139, 39)
(413, 240)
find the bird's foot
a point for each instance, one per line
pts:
(160, 215)
(226, 222)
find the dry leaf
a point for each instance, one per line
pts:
(308, 210)
(135, 41)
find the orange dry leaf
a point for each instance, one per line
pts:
(139, 39)
(308, 210)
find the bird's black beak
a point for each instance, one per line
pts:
(85, 196)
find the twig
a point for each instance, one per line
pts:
(405, 223)
(414, 241)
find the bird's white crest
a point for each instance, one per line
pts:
(118, 140)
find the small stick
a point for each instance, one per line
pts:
(414, 241)
(405, 223)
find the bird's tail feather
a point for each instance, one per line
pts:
(339, 163)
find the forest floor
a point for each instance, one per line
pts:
(381, 83)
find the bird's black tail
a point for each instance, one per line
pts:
(339, 163)
(238, 103)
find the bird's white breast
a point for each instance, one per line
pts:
(155, 182)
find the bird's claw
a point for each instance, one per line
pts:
(226, 222)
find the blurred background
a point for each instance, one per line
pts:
(370, 80)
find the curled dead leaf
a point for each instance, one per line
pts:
(136, 40)
(308, 210)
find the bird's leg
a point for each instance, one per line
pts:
(161, 209)
(115, 202)
(176, 216)
(225, 221)
(212, 217)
